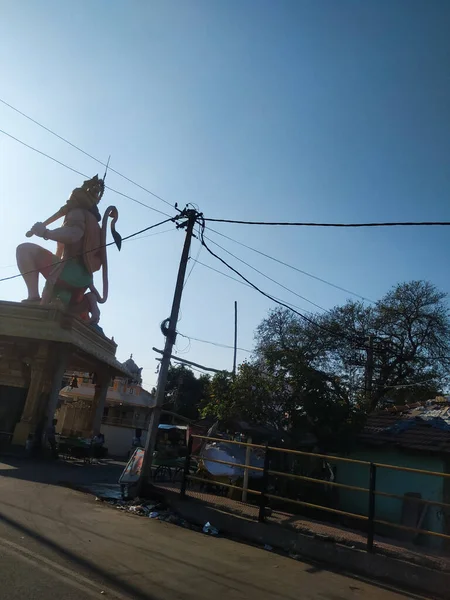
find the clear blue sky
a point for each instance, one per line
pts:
(287, 110)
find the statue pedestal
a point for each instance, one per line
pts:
(37, 345)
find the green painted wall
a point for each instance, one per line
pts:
(395, 482)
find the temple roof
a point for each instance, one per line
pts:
(133, 369)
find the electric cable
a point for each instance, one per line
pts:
(292, 267)
(189, 337)
(84, 152)
(284, 302)
(59, 162)
(185, 350)
(343, 225)
(194, 262)
(267, 276)
(267, 295)
(153, 234)
(128, 237)
(338, 287)
(246, 284)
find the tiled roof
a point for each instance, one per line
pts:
(419, 426)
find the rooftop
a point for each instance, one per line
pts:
(420, 426)
(134, 370)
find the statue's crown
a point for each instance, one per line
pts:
(95, 187)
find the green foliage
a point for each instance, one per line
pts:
(185, 392)
(411, 331)
(296, 400)
(311, 376)
(219, 402)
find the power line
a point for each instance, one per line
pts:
(80, 173)
(277, 260)
(132, 239)
(84, 152)
(153, 234)
(188, 337)
(194, 262)
(343, 225)
(161, 212)
(199, 262)
(246, 284)
(291, 306)
(301, 315)
(294, 268)
(128, 237)
(269, 278)
(132, 235)
(255, 286)
(185, 350)
(189, 363)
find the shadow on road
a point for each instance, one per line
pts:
(73, 474)
(60, 472)
(105, 576)
(207, 573)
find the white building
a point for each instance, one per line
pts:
(127, 409)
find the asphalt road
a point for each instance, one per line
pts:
(56, 542)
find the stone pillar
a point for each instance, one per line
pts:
(55, 387)
(36, 396)
(101, 391)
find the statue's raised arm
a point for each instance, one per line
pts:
(81, 251)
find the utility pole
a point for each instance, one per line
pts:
(171, 334)
(235, 337)
(369, 369)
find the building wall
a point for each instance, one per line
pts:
(119, 390)
(74, 419)
(118, 439)
(128, 416)
(12, 401)
(395, 482)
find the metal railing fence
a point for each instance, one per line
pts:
(263, 494)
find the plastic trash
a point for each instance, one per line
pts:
(209, 529)
(268, 547)
(153, 515)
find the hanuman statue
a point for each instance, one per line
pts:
(81, 251)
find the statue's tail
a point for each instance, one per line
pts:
(112, 212)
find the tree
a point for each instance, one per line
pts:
(311, 374)
(219, 402)
(185, 392)
(253, 395)
(295, 399)
(411, 332)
